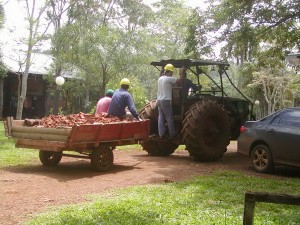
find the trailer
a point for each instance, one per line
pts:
(90, 141)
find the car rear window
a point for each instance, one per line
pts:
(291, 118)
(276, 120)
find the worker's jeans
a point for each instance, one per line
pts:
(165, 113)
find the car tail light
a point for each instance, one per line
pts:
(242, 129)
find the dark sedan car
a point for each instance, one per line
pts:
(273, 140)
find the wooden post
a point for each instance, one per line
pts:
(56, 101)
(252, 197)
(249, 208)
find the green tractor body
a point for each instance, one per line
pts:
(206, 119)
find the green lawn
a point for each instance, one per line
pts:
(212, 199)
(11, 156)
(217, 198)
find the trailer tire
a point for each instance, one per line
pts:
(49, 158)
(102, 158)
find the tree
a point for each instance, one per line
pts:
(2, 16)
(55, 14)
(197, 39)
(170, 28)
(273, 78)
(294, 88)
(256, 36)
(243, 25)
(34, 19)
(95, 44)
(270, 85)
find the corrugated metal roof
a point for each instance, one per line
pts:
(40, 64)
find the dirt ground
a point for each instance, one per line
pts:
(27, 190)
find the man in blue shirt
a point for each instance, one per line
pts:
(122, 99)
(188, 85)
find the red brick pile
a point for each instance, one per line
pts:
(71, 120)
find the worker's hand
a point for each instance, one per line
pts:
(183, 71)
(106, 115)
(139, 119)
(161, 71)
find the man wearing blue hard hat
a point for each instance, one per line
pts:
(121, 101)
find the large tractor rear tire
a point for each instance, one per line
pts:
(150, 111)
(206, 131)
(154, 145)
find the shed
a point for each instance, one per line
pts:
(38, 100)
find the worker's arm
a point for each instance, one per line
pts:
(182, 74)
(131, 107)
(161, 71)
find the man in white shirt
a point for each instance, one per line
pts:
(164, 101)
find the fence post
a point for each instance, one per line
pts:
(252, 197)
(249, 208)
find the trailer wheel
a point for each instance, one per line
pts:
(102, 158)
(49, 158)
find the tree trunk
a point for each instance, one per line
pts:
(87, 100)
(57, 93)
(23, 94)
(24, 82)
(104, 80)
(56, 101)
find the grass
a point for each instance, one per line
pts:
(212, 199)
(11, 156)
(217, 198)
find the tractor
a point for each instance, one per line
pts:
(206, 119)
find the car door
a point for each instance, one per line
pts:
(284, 137)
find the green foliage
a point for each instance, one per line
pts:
(294, 86)
(74, 93)
(2, 16)
(247, 27)
(197, 39)
(104, 41)
(108, 41)
(217, 198)
(3, 69)
(170, 28)
(137, 91)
